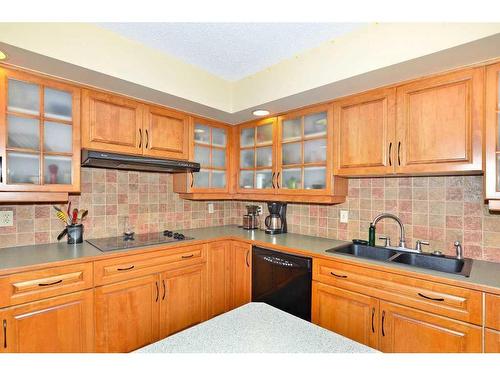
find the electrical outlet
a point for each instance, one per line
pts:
(260, 210)
(210, 208)
(344, 216)
(6, 218)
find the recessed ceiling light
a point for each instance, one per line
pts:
(260, 112)
(3, 55)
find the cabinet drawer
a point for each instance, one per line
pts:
(454, 302)
(492, 314)
(35, 285)
(126, 267)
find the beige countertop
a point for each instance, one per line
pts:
(484, 275)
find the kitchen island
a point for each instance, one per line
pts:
(256, 328)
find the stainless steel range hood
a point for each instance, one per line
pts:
(98, 159)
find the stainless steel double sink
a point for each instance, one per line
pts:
(421, 260)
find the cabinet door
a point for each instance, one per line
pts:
(126, 314)
(111, 123)
(166, 133)
(56, 325)
(364, 131)
(439, 123)
(349, 314)
(39, 134)
(183, 302)
(218, 269)
(407, 330)
(304, 152)
(241, 274)
(256, 157)
(492, 134)
(491, 341)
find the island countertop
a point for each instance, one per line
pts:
(484, 275)
(256, 328)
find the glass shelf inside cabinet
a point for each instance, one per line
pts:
(201, 134)
(247, 179)
(291, 178)
(57, 170)
(23, 133)
(315, 125)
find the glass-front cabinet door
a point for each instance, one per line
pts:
(304, 159)
(210, 148)
(492, 136)
(256, 157)
(39, 134)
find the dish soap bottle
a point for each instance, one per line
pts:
(371, 235)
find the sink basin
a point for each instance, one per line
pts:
(426, 261)
(436, 263)
(364, 251)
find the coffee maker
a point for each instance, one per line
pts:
(251, 218)
(276, 221)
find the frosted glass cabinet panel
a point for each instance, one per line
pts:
(304, 146)
(40, 128)
(23, 133)
(23, 168)
(23, 97)
(57, 137)
(257, 156)
(210, 150)
(58, 104)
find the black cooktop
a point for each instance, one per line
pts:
(137, 240)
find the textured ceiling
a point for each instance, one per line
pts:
(232, 50)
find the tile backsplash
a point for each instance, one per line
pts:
(111, 196)
(438, 209)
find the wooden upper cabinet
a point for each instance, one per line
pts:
(492, 136)
(127, 314)
(440, 123)
(111, 123)
(62, 324)
(166, 133)
(407, 330)
(39, 134)
(349, 314)
(364, 132)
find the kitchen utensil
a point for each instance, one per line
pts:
(69, 210)
(57, 209)
(63, 217)
(82, 214)
(62, 234)
(74, 216)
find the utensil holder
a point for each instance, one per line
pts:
(75, 233)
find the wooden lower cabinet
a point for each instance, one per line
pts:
(240, 274)
(491, 341)
(349, 314)
(182, 296)
(62, 324)
(219, 272)
(408, 330)
(127, 314)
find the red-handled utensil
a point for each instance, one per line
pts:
(74, 218)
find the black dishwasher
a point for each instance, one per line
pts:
(283, 281)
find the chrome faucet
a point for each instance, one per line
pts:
(402, 241)
(458, 248)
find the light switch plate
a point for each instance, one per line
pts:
(344, 216)
(210, 208)
(6, 218)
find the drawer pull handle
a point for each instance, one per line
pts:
(187, 256)
(432, 299)
(246, 258)
(5, 334)
(157, 291)
(383, 320)
(164, 291)
(125, 269)
(49, 284)
(373, 317)
(341, 276)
